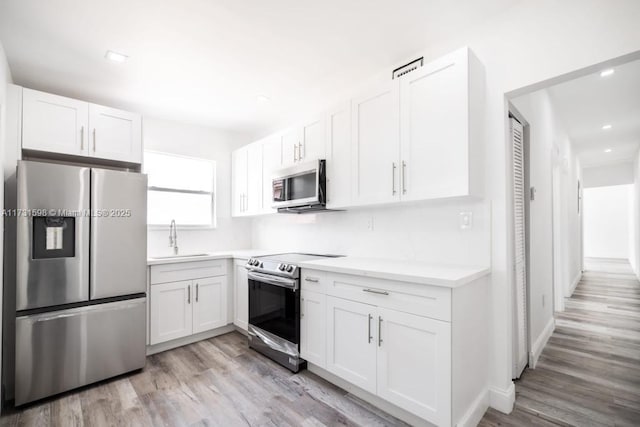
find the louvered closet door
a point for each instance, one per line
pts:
(521, 345)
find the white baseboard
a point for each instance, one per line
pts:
(575, 282)
(164, 346)
(476, 411)
(503, 400)
(540, 342)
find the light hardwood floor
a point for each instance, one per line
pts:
(589, 372)
(217, 382)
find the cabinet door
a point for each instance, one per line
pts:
(115, 134)
(313, 336)
(54, 123)
(338, 144)
(253, 202)
(290, 142)
(351, 342)
(171, 311)
(414, 364)
(241, 295)
(376, 146)
(210, 303)
(313, 140)
(239, 181)
(271, 162)
(434, 129)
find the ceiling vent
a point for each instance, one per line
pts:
(407, 68)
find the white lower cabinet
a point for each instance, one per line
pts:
(414, 364)
(351, 343)
(312, 327)
(170, 311)
(241, 294)
(419, 347)
(210, 303)
(182, 303)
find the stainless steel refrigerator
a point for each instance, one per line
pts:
(81, 249)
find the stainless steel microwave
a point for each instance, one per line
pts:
(300, 188)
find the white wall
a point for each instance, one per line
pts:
(424, 232)
(207, 143)
(634, 221)
(606, 221)
(526, 45)
(5, 78)
(614, 174)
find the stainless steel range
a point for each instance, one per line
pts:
(274, 307)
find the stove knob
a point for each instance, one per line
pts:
(282, 267)
(256, 262)
(290, 268)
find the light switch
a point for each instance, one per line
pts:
(466, 220)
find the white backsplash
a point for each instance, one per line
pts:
(427, 232)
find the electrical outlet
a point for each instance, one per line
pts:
(370, 223)
(466, 220)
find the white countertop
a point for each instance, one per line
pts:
(234, 253)
(450, 276)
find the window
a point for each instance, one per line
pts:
(180, 189)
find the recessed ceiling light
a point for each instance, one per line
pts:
(115, 56)
(607, 150)
(606, 127)
(262, 99)
(607, 73)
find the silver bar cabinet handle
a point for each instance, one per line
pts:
(300, 156)
(295, 156)
(369, 331)
(379, 331)
(82, 138)
(197, 291)
(189, 294)
(94, 140)
(393, 178)
(404, 177)
(375, 291)
(310, 279)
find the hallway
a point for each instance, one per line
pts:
(589, 372)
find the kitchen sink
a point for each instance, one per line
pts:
(179, 256)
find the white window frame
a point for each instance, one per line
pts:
(214, 204)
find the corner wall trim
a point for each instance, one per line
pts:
(503, 400)
(540, 342)
(476, 411)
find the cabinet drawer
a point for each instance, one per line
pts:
(313, 280)
(422, 300)
(165, 273)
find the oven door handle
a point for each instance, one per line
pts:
(273, 280)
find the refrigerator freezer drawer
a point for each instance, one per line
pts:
(61, 350)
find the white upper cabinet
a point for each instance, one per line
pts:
(313, 141)
(290, 142)
(434, 123)
(239, 181)
(115, 134)
(338, 146)
(54, 123)
(271, 162)
(254, 199)
(376, 145)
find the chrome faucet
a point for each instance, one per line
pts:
(173, 237)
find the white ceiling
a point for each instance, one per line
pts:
(585, 104)
(206, 61)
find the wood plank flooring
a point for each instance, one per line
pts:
(589, 372)
(217, 382)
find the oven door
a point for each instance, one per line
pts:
(299, 185)
(274, 305)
